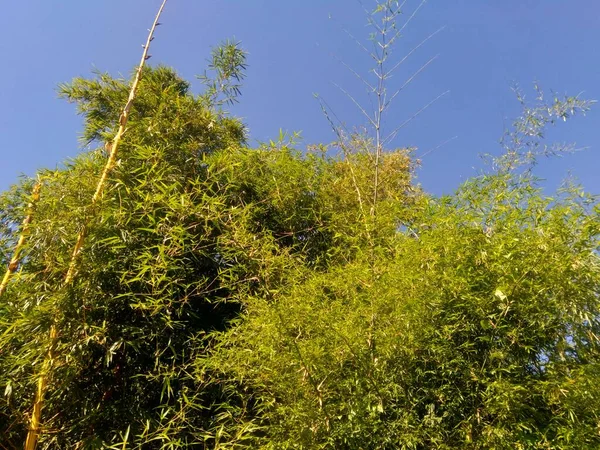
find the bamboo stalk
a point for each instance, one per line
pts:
(34, 428)
(14, 262)
(114, 146)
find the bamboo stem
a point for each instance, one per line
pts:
(34, 428)
(114, 146)
(14, 262)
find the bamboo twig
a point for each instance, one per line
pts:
(34, 429)
(14, 262)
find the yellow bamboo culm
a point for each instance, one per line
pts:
(14, 262)
(34, 429)
(35, 422)
(112, 157)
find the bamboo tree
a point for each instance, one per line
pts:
(384, 20)
(34, 429)
(14, 262)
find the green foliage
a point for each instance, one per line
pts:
(165, 112)
(475, 326)
(524, 144)
(229, 297)
(480, 331)
(228, 62)
(135, 316)
(191, 224)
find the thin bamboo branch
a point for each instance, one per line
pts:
(414, 49)
(412, 77)
(360, 44)
(436, 147)
(365, 10)
(362, 110)
(34, 429)
(13, 265)
(390, 137)
(326, 109)
(412, 16)
(356, 74)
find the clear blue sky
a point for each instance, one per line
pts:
(486, 46)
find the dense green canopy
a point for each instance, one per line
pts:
(229, 297)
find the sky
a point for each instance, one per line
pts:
(295, 49)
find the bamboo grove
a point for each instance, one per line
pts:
(230, 297)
